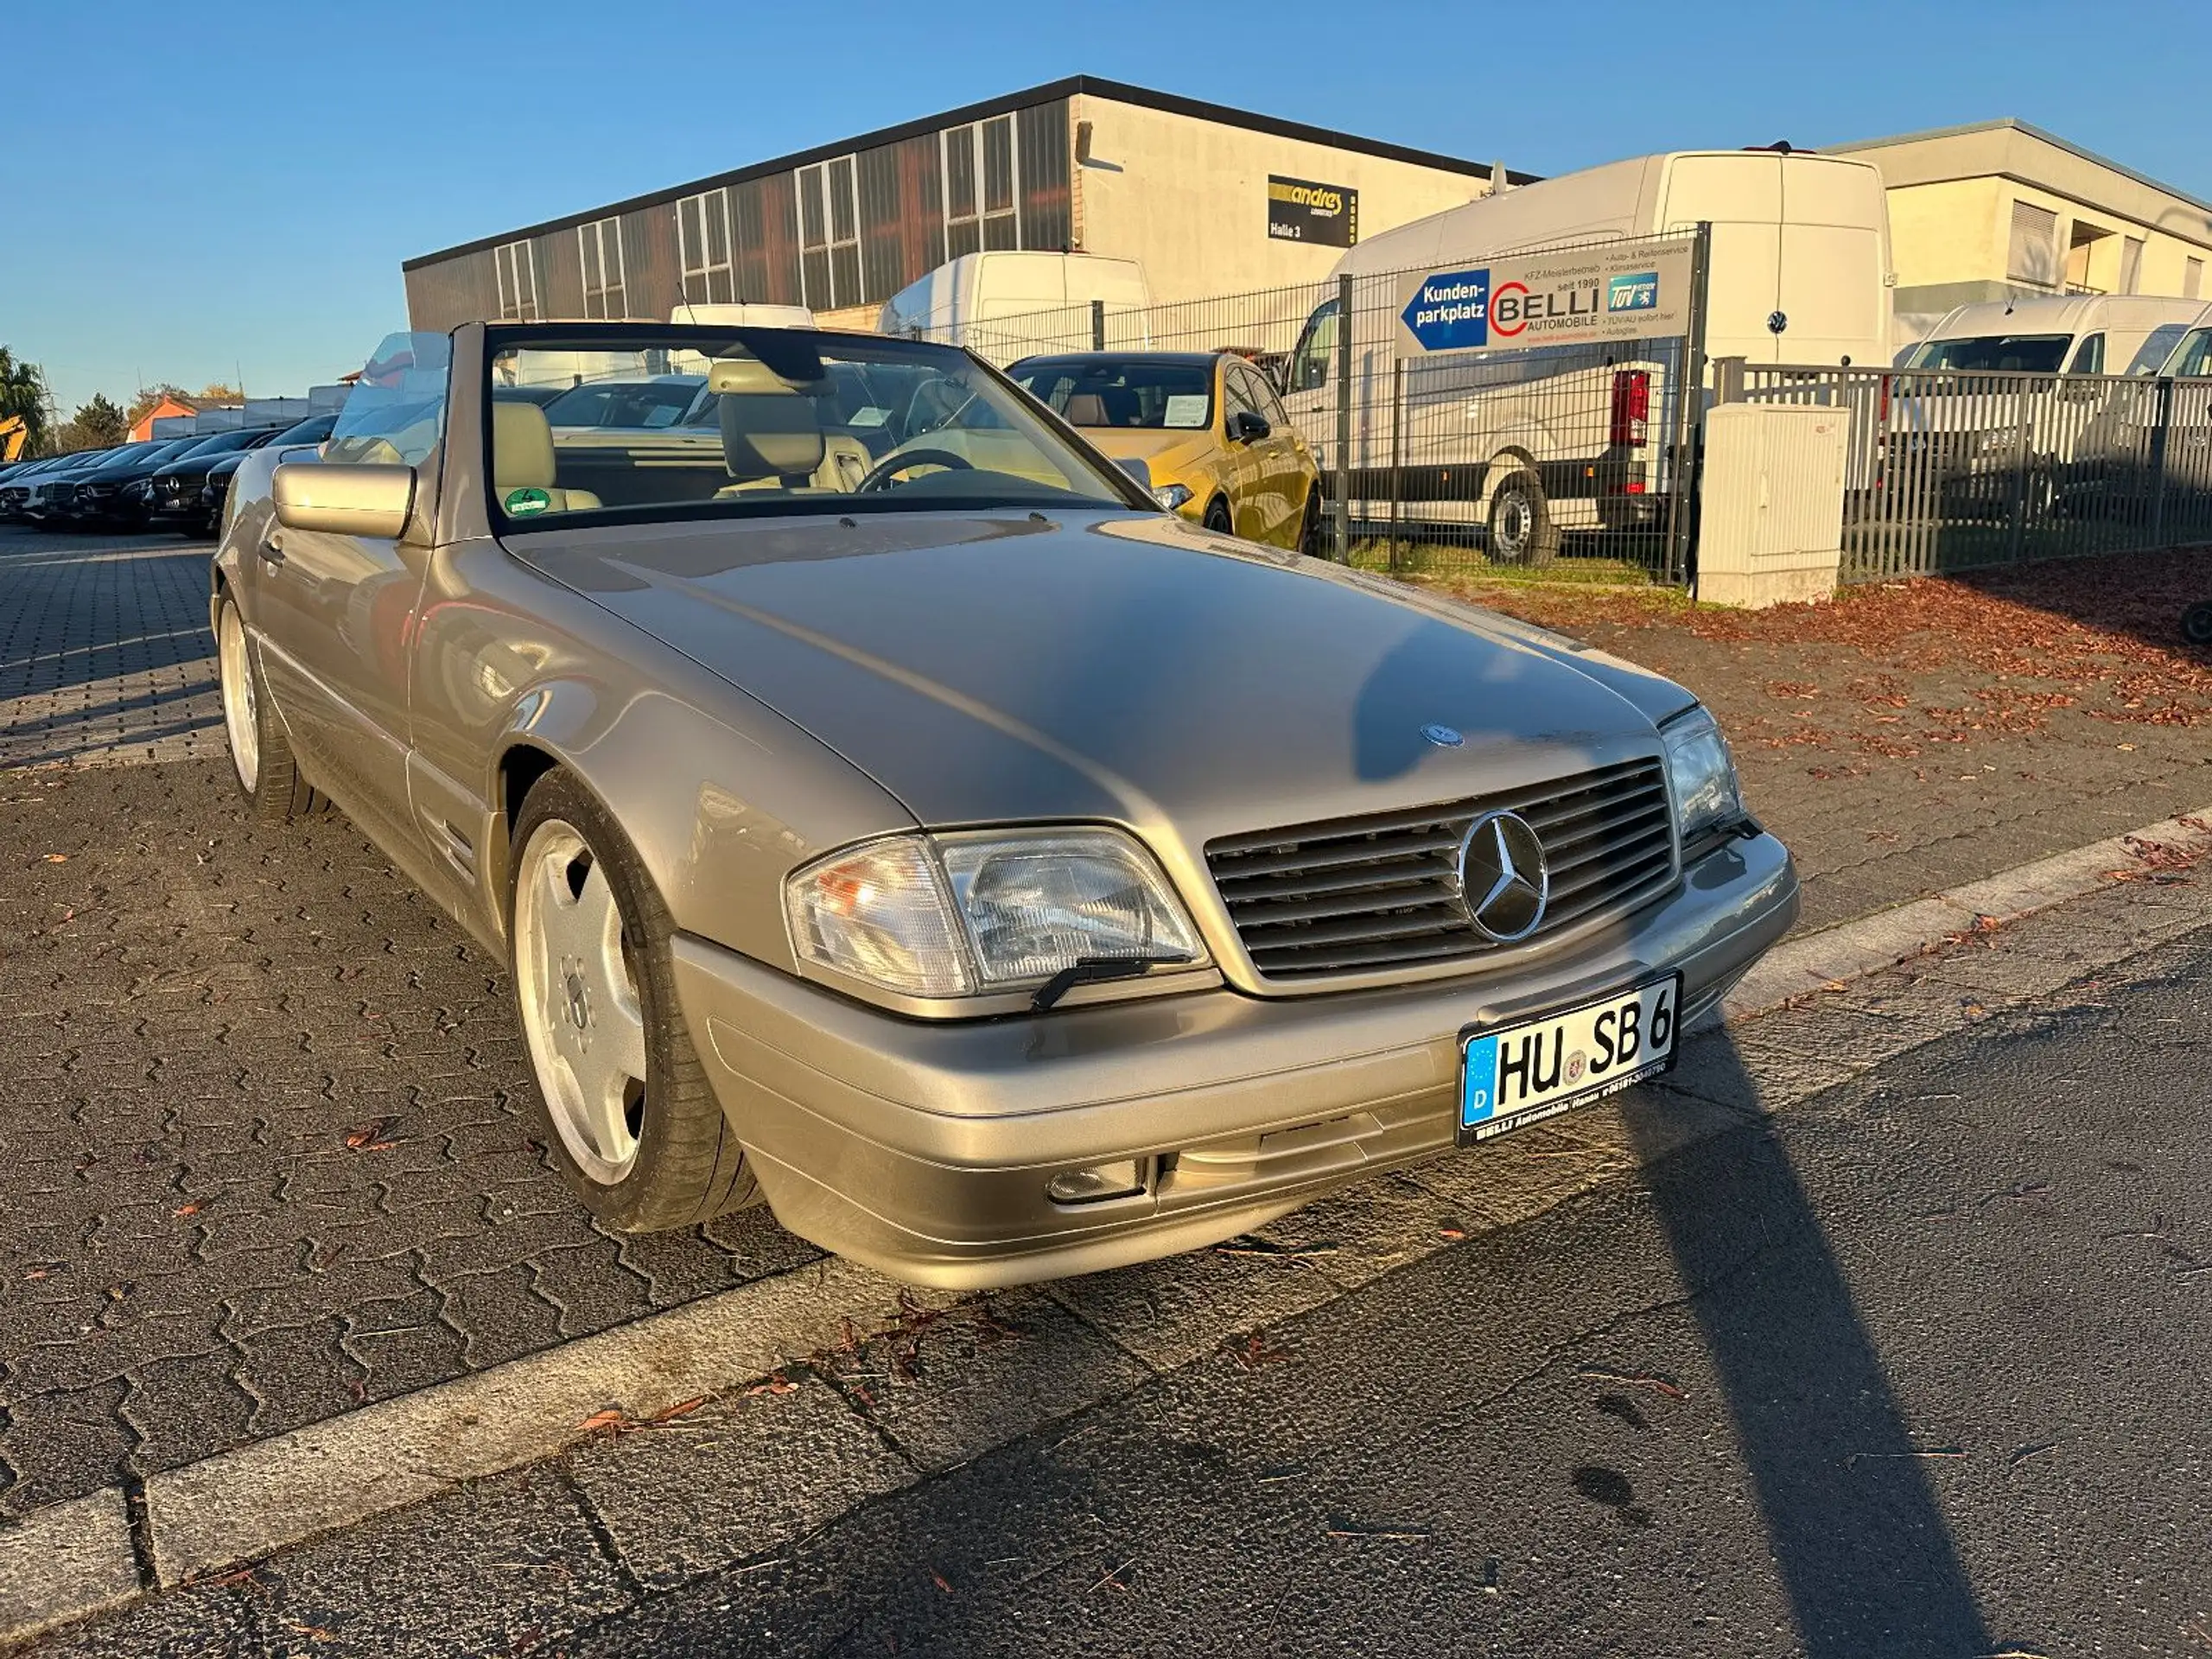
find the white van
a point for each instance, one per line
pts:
(1971, 434)
(2177, 350)
(978, 299)
(1529, 442)
(2074, 333)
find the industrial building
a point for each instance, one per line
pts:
(2000, 209)
(1208, 200)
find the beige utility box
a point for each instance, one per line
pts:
(1770, 526)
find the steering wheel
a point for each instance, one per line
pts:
(879, 475)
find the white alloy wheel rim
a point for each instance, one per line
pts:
(580, 1012)
(238, 711)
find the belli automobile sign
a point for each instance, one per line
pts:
(1570, 298)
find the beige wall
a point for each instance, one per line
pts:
(1950, 200)
(1188, 198)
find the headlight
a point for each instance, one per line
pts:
(1703, 775)
(1171, 496)
(961, 915)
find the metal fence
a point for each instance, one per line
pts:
(1446, 461)
(1953, 470)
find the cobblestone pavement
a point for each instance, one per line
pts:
(104, 653)
(266, 1149)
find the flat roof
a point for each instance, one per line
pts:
(2013, 123)
(1121, 91)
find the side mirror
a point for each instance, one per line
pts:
(1246, 427)
(1138, 470)
(343, 499)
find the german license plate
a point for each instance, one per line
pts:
(1513, 1076)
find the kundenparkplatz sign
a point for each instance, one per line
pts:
(1569, 298)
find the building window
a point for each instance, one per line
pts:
(829, 235)
(2130, 265)
(600, 244)
(702, 239)
(982, 207)
(2033, 258)
(517, 265)
(2192, 279)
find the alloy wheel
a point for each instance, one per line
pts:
(240, 711)
(578, 994)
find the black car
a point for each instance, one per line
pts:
(171, 491)
(215, 484)
(51, 495)
(101, 501)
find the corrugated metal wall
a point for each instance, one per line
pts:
(900, 193)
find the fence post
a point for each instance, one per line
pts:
(2023, 459)
(1098, 325)
(1397, 455)
(2159, 429)
(1728, 379)
(1688, 438)
(1343, 419)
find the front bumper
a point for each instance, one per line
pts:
(924, 1147)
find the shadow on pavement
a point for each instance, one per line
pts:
(1859, 1541)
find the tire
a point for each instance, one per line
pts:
(1309, 529)
(2196, 626)
(1520, 522)
(261, 753)
(680, 1164)
(1217, 518)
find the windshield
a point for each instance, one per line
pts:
(1121, 392)
(2193, 356)
(221, 444)
(621, 403)
(2157, 346)
(773, 420)
(314, 429)
(2015, 353)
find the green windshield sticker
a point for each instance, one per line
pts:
(521, 504)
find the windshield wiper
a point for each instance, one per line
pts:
(1097, 970)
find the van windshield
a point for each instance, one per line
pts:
(2157, 346)
(2014, 354)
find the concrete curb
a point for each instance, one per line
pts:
(1852, 949)
(72, 1560)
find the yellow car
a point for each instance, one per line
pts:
(1207, 426)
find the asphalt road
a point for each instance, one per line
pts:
(1919, 1368)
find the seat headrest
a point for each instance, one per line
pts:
(1085, 408)
(522, 446)
(769, 434)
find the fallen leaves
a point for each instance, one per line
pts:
(1255, 1350)
(372, 1136)
(1651, 1380)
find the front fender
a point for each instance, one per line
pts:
(721, 797)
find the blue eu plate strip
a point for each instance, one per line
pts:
(1478, 1083)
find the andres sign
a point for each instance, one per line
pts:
(1572, 298)
(1300, 210)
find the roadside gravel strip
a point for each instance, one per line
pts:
(1821, 1009)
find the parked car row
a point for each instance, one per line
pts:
(178, 484)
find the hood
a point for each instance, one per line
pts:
(1163, 449)
(1122, 668)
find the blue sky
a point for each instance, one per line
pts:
(189, 192)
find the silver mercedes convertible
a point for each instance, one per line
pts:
(889, 813)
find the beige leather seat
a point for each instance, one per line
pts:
(1085, 408)
(773, 440)
(521, 458)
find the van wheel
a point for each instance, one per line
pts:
(1217, 518)
(1520, 528)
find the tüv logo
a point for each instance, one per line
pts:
(1637, 293)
